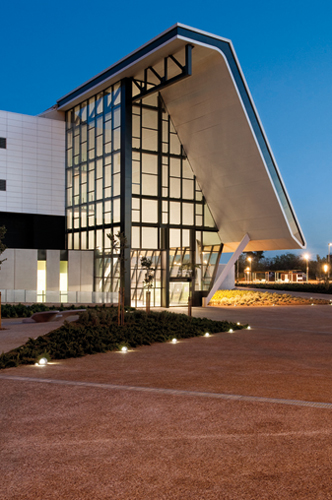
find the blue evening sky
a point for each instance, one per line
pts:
(284, 48)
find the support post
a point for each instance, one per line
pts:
(230, 263)
(126, 178)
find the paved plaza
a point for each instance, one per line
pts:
(246, 415)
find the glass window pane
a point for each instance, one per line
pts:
(208, 219)
(116, 210)
(149, 211)
(149, 139)
(116, 139)
(116, 185)
(149, 185)
(174, 212)
(99, 103)
(150, 164)
(136, 126)
(174, 187)
(210, 238)
(136, 172)
(150, 237)
(188, 214)
(188, 189)
(186, 238)
(175, 167)
(136, 204)
(116, 163)
(135, 237)
(175, 238)
(186, 170)
(175, 146)
(99, 214)
(150, 118)
(116, 117)
(165, 176)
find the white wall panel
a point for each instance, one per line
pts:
(33, 164)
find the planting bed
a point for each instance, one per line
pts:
(97, 331)
(248, 298)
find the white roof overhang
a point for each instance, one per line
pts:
(219, 128)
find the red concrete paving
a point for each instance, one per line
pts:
(81, 442)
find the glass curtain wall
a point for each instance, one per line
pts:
(167, 203)
(171, 223)
(93, 181)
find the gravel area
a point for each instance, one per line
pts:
(92, 440)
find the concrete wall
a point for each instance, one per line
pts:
(33, 164)
(52, 270)
(19, 271)
(81, 265)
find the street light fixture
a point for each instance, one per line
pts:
(306, 257)
(247, 271)
(250, 259)
(329, 260)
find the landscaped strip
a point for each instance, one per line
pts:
(250, 298)
(291, 287)
(21, 311)
(97, 331)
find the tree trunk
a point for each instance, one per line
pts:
(190, 301)
(122, 306)
(119, 306)
(148, 301)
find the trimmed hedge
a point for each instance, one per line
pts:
(22, 311)
(291, 287)
(256, 298)
(97, 331)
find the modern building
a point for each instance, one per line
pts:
(166, 147)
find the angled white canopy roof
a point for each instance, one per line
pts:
(219, 128)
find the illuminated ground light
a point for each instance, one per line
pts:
(124, 349)
(231, 330)
(312, 304)
(174, 341)
(238, 323)
(248, 327)
(206, 334)
(42, 362)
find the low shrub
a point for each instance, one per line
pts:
(250, 298)
(291, 287)
(22, 311)
(97, 331)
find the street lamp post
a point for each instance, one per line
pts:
(329, 260)
(306, 257)
(250, 259)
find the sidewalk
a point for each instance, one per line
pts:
(15, 333)
(238, 416)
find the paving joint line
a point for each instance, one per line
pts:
(173, 392)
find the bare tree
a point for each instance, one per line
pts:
(118, 247)
(148, 280)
